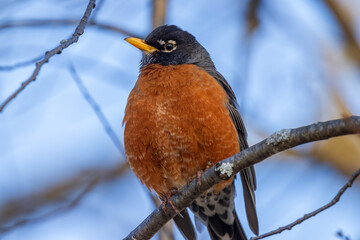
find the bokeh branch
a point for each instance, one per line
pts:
(277, 142)
(99, 5)
(52, 213)
(58, 22)
(252, 17)
(346, 26)
(66, 22)
(20, 64)
(63, 44)
(159, 12)
(313, 213)
(18, 211)
(97, 110)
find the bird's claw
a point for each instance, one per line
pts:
(167, 199)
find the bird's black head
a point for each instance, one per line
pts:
(170, 45)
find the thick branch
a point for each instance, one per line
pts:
(63, 44)
(227, 168)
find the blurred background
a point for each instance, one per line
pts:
(62, 168)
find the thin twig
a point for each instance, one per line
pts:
(312, 214)
(97, 110)
(276, 143)
(63, 44)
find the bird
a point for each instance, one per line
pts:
(181, 118)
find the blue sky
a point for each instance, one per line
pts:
(281, 75)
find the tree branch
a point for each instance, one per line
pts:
(277, 142)
(63, 44)
(313, 213)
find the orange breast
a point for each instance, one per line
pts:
(176, 124)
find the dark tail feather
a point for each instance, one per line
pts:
(238, 230)
(217, 212)
(218, 228)
(185, 225)
(248, 182)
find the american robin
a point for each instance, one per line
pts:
(181, 118)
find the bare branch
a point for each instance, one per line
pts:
(277, 142)
(312, 214)
(63, 44)
(97, 110)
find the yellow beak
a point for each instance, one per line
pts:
(140, 44)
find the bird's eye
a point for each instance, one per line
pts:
(169, 47)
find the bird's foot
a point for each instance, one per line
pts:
(197, 177)
(167, 199)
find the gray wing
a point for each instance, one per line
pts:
(247, 175)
